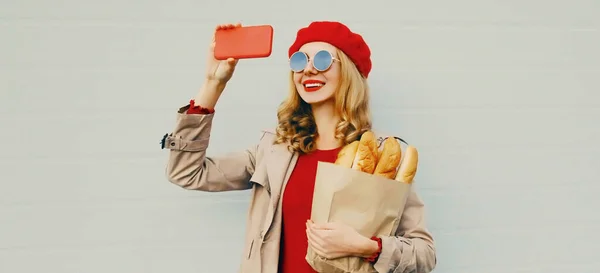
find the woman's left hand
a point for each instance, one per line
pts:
(335, 240)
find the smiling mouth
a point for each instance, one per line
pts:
(313, 86)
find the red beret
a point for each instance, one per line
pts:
(340, 36)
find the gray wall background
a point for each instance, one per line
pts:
(501, 98)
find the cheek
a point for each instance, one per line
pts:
(333, 74)
(334, 81)
(297, 78)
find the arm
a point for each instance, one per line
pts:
(188, 166)
(413, 248)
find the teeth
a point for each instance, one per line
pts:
(314, 84)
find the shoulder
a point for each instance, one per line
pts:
(267, 138)
(267, 146)
(268, 134)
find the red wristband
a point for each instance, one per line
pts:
(196, 109)
(373, 258)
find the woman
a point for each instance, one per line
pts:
(327, 107)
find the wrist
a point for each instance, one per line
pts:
(367, 248)
(214, 85)
(209, 93)
(375, 255)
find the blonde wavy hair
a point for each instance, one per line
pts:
(296, 125)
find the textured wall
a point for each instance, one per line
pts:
(501, 97)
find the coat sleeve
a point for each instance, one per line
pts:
(412, 250)
(190, 168)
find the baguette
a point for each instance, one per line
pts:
(346, 155)
(366, 154)
(389, 159)
(408, 167)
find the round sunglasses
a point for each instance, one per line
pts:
(321, 61)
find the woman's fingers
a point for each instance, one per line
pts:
(318, 249)
(314, 236)
(232, 61)
(316, 244)
(228, 26)
(224, 26)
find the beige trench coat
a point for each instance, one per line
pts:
(264, 169)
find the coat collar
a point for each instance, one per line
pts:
(279, 167)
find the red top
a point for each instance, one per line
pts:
(297, 203)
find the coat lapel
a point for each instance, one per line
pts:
(279, 168)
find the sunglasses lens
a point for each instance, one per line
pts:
(322, 60)
(298, 61)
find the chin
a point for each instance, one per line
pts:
(315, 98)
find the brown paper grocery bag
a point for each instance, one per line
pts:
(370, 204)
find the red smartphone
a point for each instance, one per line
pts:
(244, 42)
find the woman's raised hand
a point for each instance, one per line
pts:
(217, 70)
(218, 74)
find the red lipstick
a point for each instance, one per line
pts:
(312, 85)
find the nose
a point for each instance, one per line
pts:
(309, 68)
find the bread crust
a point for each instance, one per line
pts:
(347, 154)
(408, 167)
(366, 154)
(391, 154)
